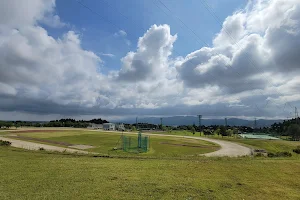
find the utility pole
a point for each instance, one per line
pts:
(226, 123)
(136, 123)
(255, 124)
(200, 129)
(161, 123)
(296, 115)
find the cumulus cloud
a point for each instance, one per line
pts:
(36, 66)
(251, 69)
(253, 46)
(151, 58)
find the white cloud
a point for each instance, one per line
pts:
(107, 54)
(253, 46)
(151, 59)
(120, 33)
(17, 14)
(123, 35)
(53, 21)
(257, 63)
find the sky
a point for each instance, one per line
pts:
(117, 59)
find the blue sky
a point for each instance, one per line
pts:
(135, 17)
(60, 59)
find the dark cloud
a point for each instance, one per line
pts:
(252, 68)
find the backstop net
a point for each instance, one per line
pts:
(135, 144)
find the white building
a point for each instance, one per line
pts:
(95, 126)
(109, 126)
(120, 127)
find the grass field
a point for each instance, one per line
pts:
(41, 175)
(104, 142)
(269, 145)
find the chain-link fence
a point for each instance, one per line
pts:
(138, 144)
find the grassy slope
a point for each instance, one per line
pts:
(38, 175)
(104, 142)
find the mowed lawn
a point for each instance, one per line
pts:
(41, 175)
(104, 142)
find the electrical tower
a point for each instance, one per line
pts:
(255, 123)
(226, 122)
(200, 117)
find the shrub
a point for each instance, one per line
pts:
(41, 149)
(297, 150)
(271, 155)
(259, 155)
(4, 143)
(283, 154)
(280, 154)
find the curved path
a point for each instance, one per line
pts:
(36, 146)
(229, 149)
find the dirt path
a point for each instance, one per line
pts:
(36, 146)
(229, 149)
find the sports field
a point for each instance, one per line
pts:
(156, 175)
(104, 142)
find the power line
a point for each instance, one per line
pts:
(116, 26)
(85, 6)
(228, 33)
(215, 16)
(195, 34)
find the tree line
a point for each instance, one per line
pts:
(53, 123)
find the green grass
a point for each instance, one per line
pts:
(41, 175)
(269, 145)
(104, 142)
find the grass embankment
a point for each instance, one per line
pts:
(104, 142)
(40, 175)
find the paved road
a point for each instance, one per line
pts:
(36, 146)
(229, 149)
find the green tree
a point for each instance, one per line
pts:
(235, 131)
(133, 128)
(217, 131)
(223, 130)
(8, 124)
(164, 128)
(207, 132)
(17, 125)
(229, 132)
(294, 131)
(193, 130)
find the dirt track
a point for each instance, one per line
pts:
(229, 149)
(36, 146)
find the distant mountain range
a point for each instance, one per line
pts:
(190, 120)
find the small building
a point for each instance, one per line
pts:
(95, 126)
(120, 127)
(109, 126)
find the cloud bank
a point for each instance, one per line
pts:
(252, 68)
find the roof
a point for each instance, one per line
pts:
(108, 124)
